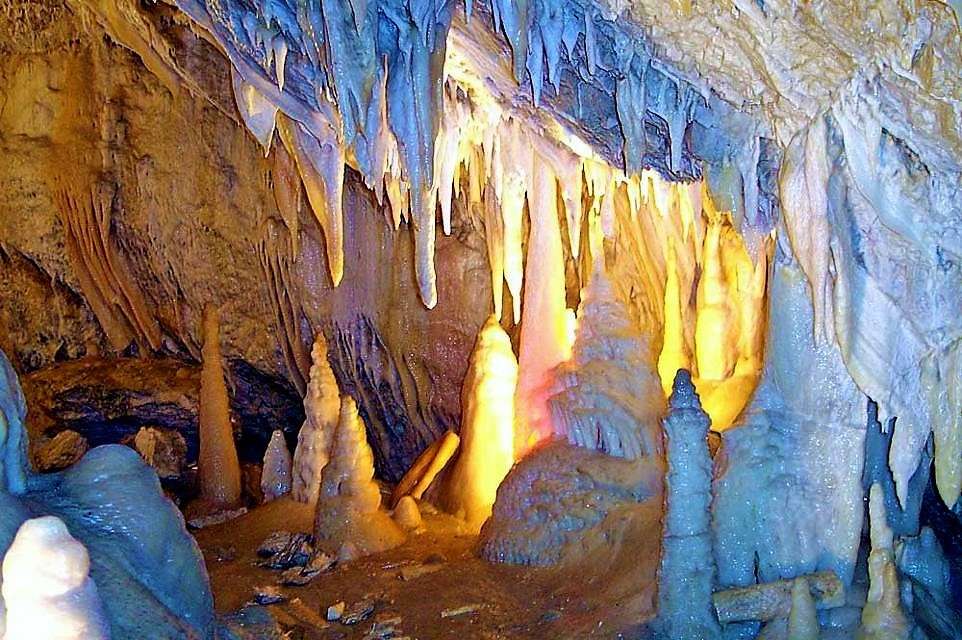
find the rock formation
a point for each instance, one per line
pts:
(607, 397)
(217, 464)
(163, 449)
(487, 438)
(47, 588)
(276, 471)
(349, 504)
(322, 404)
(802, 620)
(686, 577)
(426, 468)
(882, 616)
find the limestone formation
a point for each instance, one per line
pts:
(47, 588)
(687, 573)
(802, 620)
(349, 504)
(407, 514)
(773, 600)
(487, 439)
(426, 468)
(882, 616)
(163, 449)
(322, 404)
(276, 472)
(217, 464)
(60, 451)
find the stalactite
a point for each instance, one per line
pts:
(276, 252)
(320, 162)
(258, 112)
(322, 405)
(217, 465)
(544, 340)
(487, 438)
(104, 277)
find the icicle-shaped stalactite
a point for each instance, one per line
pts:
(487, 435)
(322, 405)
(607, 397)
(320, 162)
(104, 277)
(258, 112)
(276, 253)
(544, 339)
(218, 468)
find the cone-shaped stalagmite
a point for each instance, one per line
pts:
(487, 437)
(218, 467)
(882, 616)
(276, 473)
(349, 505)
(322, 404)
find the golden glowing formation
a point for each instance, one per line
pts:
(487, 437)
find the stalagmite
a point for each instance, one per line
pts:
(802, 620)
(607, 397)
(687, 572)
(544, 340)
(407, 514)
(774, 600)
(882, 616)
(349, 506)
(217, 464)
(276, 472)
(487, 436)
(47, 589)
(322, 405)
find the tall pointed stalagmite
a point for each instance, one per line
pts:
(686, 576)
(322, 404)
(349, 505)
(882, 616)
(218, 467)
(487, 437)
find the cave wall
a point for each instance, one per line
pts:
(191, 219)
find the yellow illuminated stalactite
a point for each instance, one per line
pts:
(675, 354)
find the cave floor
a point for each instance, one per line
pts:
(504, 601)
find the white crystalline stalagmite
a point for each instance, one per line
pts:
(46, 586)
(320, 162)
(544, 333)
(607, 397)
(349, 506)
(882, 616)
(487, 434)
(686, 575)
(276, 472)
(217, 464)
(322, 405)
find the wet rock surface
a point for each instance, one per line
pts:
(60, 451)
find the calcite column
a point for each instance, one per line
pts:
(687, 572)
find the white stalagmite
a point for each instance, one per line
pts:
(487, 434)
(276, 472)
(607, 397)
(544, 334)
(882, 616)
(47, 589)
(686, 575)
(802, 620)
(349, 506)
(322, 405)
